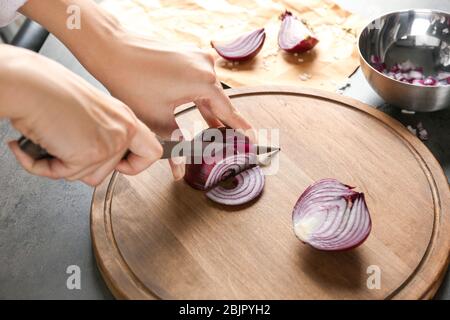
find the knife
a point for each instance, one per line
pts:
(170, 148)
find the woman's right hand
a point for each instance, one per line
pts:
(87, 131)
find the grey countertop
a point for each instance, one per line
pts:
(44, 225)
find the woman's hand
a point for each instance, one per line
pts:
(152, 78)
(88, 132)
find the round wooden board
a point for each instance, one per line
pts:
(159, 239)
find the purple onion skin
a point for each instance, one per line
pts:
(303, 46)
(307, 43)
(241, 58)
(197, 174)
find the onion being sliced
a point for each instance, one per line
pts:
(198, 170)
(243, 48)
(294, 36)
(237, 164)
(229, 167)
(247, 186)
(331, 216)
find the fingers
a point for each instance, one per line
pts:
(177, 164)
(97, 176)
(219, 107)
(144, 148)
(178, 167)
(205, 110)
(50, 168)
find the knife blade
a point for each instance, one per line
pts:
(170, 148)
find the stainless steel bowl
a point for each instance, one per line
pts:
(421, 36)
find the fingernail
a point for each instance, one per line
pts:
(178, 172)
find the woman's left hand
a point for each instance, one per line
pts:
(153, 79)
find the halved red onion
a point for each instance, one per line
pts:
(294, 36)
(331, 216)
(246, 186)
(243, 48)
(236, 164)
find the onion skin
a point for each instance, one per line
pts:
(196, 175)
(243, 48)
(331, 216)
(294, 36)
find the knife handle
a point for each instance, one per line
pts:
(32, 149)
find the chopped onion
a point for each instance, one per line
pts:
(429, 81)
(410, 73)
(331, 216)
(415, 75)
(237, 165)
(294, 36)
(243, 48)
(419, 131)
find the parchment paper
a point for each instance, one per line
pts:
(200, 21)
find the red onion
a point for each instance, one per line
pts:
(294, 36)
(243, 48)
(237, 164)
(331, 216)
(410, 73)
(199, 169)
(429, 81)
(419, 131)
(246, 186)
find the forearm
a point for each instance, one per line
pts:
(92, 43)
(12, 63)
(29, 82)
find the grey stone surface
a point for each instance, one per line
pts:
(44, 225)
(44, 228)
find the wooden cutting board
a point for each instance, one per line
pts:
(159, 239)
